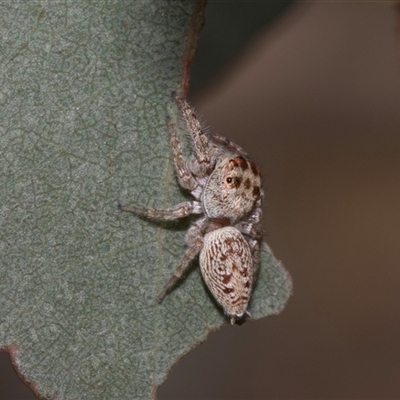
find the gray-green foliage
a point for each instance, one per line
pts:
(84, 93)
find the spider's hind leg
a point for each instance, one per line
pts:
(184, 263)
(194, 241)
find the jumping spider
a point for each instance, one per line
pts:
(228, 196)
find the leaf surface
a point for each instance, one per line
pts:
(85, 89)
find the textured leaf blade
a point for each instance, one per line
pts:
(85, 92)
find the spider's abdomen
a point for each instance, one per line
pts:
(226, 264)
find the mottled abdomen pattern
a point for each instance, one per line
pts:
(226, 264)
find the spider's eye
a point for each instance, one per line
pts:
(228, 180)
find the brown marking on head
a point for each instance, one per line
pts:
(247, 284)
(226, 278)
(238, 162)
(254, 168)
(234, 267)
(237, 182)
(227, 290)
(232, 164)
(256, 191)
(247, 183)
(242, 163)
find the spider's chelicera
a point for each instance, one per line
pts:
(227, 190)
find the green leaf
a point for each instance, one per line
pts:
(85, 89)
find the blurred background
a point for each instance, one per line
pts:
(312, 91)
(314, 97)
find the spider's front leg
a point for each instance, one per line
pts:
(185, 177)
(228, 144)
(202, 162)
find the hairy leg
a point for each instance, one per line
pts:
(200, 141)
(252, 226)
(228, 144)
(179, 211)
(185, 177)
(256, 253)
(194, 241)
(190, 254)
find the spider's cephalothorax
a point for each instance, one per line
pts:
(228, 196)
